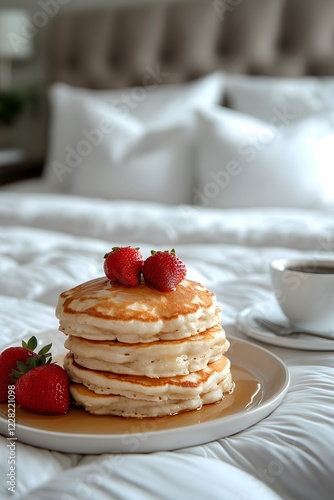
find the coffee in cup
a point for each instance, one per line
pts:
(304, 289)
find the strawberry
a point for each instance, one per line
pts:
(44, 389)
(164, 270)
(8, 362)
(124, 265)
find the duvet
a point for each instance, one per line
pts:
(49, 243)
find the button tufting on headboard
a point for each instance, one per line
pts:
(176, 42)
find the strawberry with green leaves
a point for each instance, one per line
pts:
(40, 385)
(124, 265)
(44, 390)
(9, 359)
(164, 271)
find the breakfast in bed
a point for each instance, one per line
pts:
(202, 126)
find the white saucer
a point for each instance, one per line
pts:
(270, 310)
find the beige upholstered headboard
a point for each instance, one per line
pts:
(114, 47)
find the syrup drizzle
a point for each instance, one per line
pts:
(247, 393)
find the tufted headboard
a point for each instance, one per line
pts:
(114, 47)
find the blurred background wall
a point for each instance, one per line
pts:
(30, 130)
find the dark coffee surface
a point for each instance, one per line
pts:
(314, 269)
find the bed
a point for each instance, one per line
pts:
(244, 178)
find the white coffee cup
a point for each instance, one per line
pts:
(304, 289)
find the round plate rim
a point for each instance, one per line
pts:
(160, 440)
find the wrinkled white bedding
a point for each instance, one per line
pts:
(49, 243)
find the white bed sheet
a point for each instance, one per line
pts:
(49, 243)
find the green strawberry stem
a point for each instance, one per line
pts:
(43, 357)
(31, 344)
(164, 251)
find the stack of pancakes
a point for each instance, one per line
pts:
(139, 352)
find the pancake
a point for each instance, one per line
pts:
(163, 358)
(121, 406)
(216, 375)
(103, 310)
(140, 397)
(138, 352)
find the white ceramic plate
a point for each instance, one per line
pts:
(269, 310)
(261, 381)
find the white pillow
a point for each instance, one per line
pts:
(161, 103)
(150, 139)
(135, 161)
(245, 162)
(280, 101)
(105, 153)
